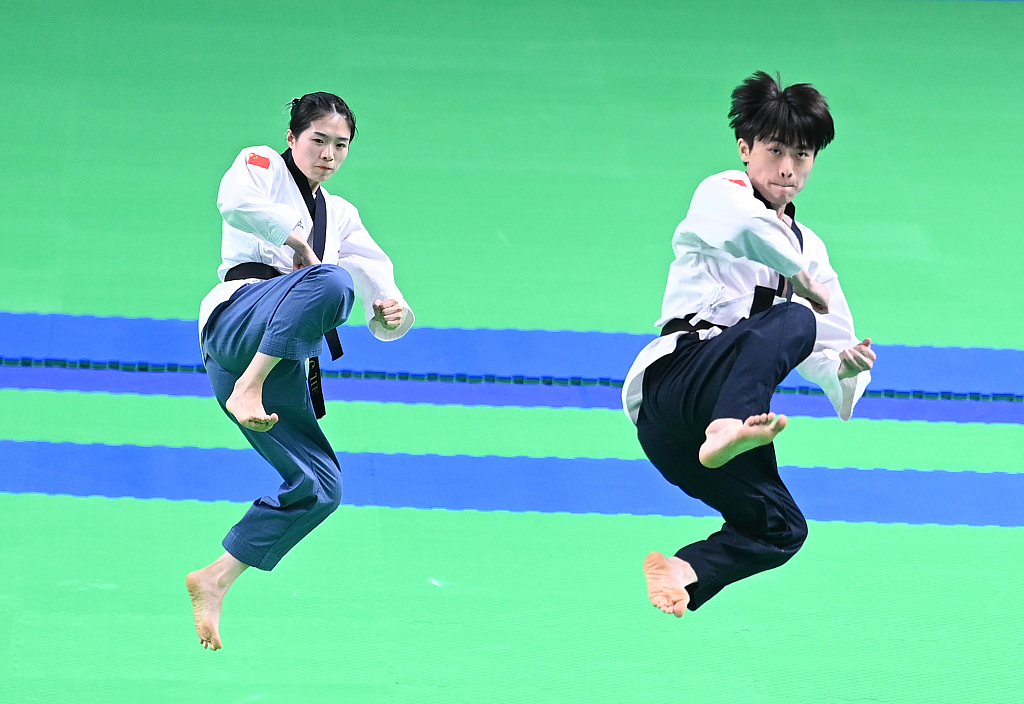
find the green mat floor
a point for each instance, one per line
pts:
(404, 605)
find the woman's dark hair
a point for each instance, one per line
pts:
(312, 106)
(797, 116)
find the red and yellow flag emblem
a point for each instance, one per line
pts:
(257, 160)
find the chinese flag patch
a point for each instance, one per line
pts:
(257, 160)
(730, 180)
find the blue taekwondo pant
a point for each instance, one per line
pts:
(283, 317)
(732, 375)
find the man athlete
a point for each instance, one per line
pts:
(750, 296)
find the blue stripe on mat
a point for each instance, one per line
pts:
(494, 394)
(531, 353)
(502, 483)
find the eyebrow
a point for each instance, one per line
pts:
(800, 147)
(340, 139)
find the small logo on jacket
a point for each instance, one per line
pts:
(730, 180)
(257, 160)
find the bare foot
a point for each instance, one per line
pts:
(667, 578)
(246, 405)
(728, 437)
(207, 601)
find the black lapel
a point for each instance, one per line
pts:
(790, 211)
(317, 206)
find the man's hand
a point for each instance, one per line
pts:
(388, 313)
(304, 255)
(814, 292)
(857, 359)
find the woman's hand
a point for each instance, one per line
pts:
(388, 313)
(304, 255)
(814, 292)
(857, 359)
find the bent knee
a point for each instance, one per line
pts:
(335, 280)
(801, 326)
(803, 320)
(331, 500)
(792, 539)
(329, 494)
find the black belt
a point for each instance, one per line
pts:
(258, 270)
(684, 325)
(251, 270)
(764, 299)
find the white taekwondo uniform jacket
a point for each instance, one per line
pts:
(729, 243)
(261, 205)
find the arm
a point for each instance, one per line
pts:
(725, 215)
(840, 363)
(387, 314)
(245, 201)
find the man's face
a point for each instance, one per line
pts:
(779, 171)
(321, 148)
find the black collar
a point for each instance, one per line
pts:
(303, 183)
(789, 210)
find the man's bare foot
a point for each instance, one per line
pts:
(728, 437)
(207, 601)
(667, 578)
(246, 405)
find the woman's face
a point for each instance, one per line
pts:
(321, 148)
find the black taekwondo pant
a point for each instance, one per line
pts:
(732, 375)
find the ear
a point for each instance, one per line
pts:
(744, 150)
(290, 138)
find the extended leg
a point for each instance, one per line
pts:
(763, 525)
(244, 345)
(706, 425)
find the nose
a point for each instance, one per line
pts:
(786, 167)
(327, 153)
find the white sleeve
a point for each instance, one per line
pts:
(374, 278)
(725, 214)
(835, 334)
(245, 201)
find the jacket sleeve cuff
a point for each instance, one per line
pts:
(385, 335)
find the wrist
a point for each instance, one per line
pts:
(802, 279)
(296, 242)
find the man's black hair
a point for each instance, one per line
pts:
(797, 116)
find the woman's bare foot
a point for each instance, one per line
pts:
(246, 405)
(667, 578)
(728, 437)
(206, 589)
(246, 400)
(207, 601)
